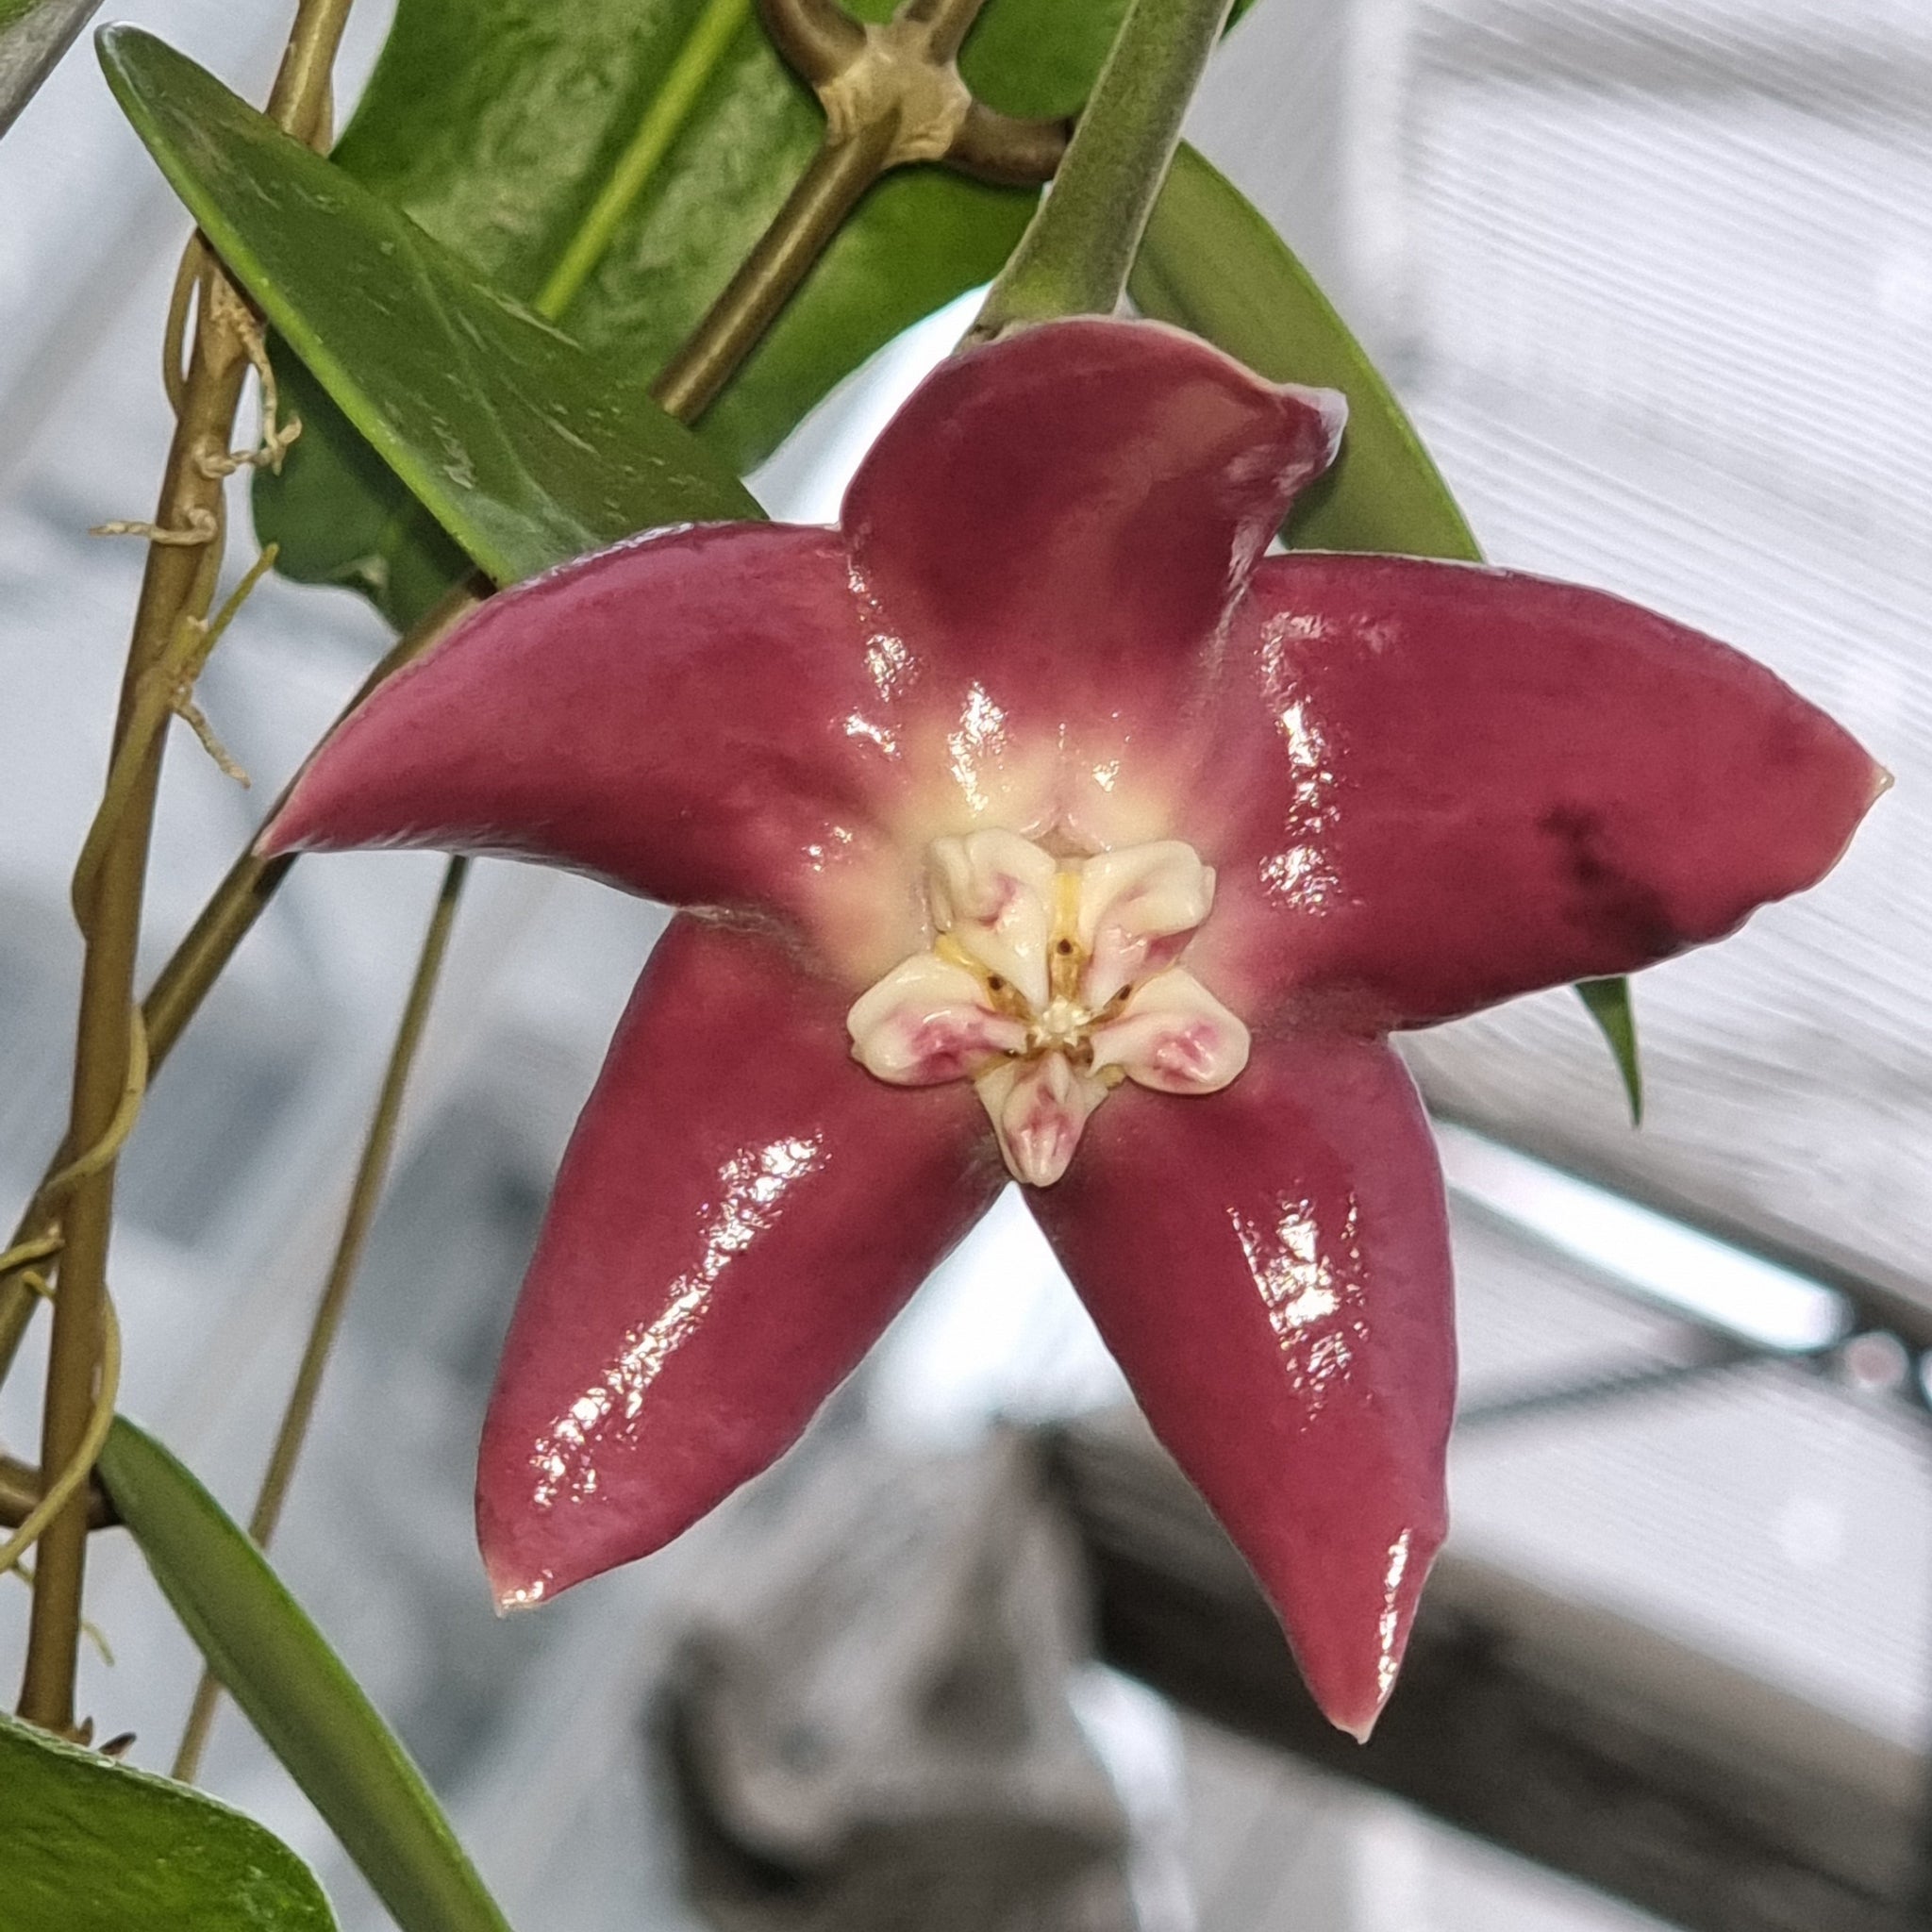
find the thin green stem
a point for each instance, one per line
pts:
(371, 1171)
(1074, 256)
(705, 45)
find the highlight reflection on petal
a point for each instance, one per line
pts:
(1271, 1268)
(1443, 786)
(751, 1198)
(741, 1210)
(1061, 521)
(693, 715)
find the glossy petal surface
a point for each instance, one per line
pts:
(1443, 786)
(1272, 1270)
(741, 1210)
(693, 716)
(1037, 779)
(1069, 514)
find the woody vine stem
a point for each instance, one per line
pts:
(178, 589)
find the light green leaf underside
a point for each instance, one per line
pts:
(525, 447)
(295, 1690)
(89, 1845)
(502, 126)
(1211, 264)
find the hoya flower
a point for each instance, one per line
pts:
(1035, 822)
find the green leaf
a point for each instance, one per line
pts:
(1607, 1001)
(526, 448)
(339, 514)
(611, 163)
(33, 36)
(93, 1846)
(295, 1690)
(1211, 263)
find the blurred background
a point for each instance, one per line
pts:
(1655, 277)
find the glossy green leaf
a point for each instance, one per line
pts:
(1211, 263)
(89, 1845)
(611, 162)
(295, 1690)
(527, 447)
(1607, 1001)
(34, 34)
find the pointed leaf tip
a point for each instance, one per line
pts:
(1607, 1001)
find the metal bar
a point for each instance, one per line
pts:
(1588, 1744)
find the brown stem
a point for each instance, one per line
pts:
(104, 1044)
(178, 582)
(892, 95)
(21, 1489)
(992, 146)
(946, 23)
(299, 101)
(826, 192)
(817, 39)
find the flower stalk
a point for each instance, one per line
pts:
(1074, 256)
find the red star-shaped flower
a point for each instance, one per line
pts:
(1034, 820)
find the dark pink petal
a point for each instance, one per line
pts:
(1067, 515)
(1271, 1267)
(741, 1210)
(692, 715)
(1440, 787)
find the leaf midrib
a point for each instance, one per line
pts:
(670, 107)
(665, 118)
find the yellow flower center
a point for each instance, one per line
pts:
(1048, 983)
